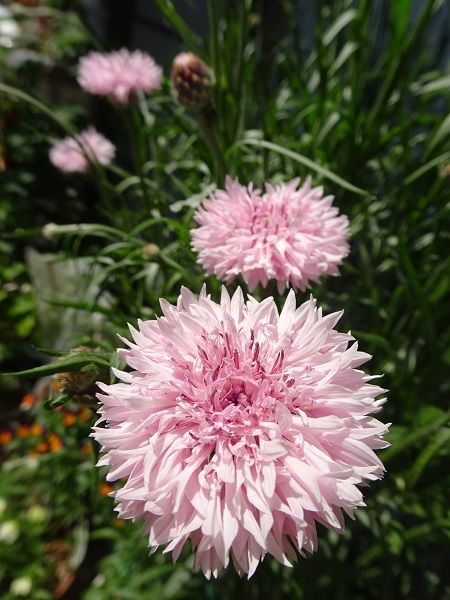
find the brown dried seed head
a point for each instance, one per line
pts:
(192, 81)
(75, 382)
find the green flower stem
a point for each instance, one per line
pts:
(208, 127)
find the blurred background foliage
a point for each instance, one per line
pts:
(355, 93)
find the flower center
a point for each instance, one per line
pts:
(237, 396)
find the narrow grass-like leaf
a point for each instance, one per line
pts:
(186, 33)
(442, 438)
(435, 162)
(38, 105)
(331, 122)
(416, 436)
(73, 363)
(96, 229)
(348, 49)
(341, 22)
(438, 85)
(91, 307)
(307, 162)
(441, 133)
(415, 533)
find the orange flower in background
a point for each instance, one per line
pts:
(41, 448)
(54, 442)
(5, 437)
(36, 429)
(86, 448)
(69, 419)
(23, 431)
(118, 523)
(85, 414)
(28, 401)
(105, 489)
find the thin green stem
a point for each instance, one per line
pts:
(137, 142)
(238, 121)
(186, 33)
(210, 132)
(214, 37)
(399, 62)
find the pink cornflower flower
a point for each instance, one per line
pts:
(71, 153)
(240, 429)
(119, 75)
(290, 234)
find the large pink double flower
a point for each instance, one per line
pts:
(239, 429)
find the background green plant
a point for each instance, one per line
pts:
(364, 111)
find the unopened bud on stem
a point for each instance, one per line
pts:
(192, 81)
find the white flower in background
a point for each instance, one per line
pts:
(31, 463)
(9, 532)
(9, 29)
(21, 586)
(36, 514)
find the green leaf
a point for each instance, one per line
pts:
(51, 352)
(413, 438)
(307, 162)
(415, 533)
(38, 105)
(331, 122)
(348, 49)
(173, 224)
(91, 307)
(186, 33)
(341, 22)
(97, 229)
(436, 162)
(438, 85)
(401, 14)
(73, 363)
(373, 338)
(441, 133)
(25, 326)
(441, 439)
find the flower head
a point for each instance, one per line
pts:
(71, 154)
(21, 586)
(240, 429)
(192, 81)
(119, 75)
(9, 532)
(290, 234)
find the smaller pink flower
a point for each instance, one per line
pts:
(290, 233)
(120, 74)
(72, 154)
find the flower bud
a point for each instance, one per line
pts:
(149, 251)
(192, 81)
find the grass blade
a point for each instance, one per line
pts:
(307, 162)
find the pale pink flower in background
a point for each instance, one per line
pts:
(71, 153)
(240, 429)
(290, 234)
(119, 74)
